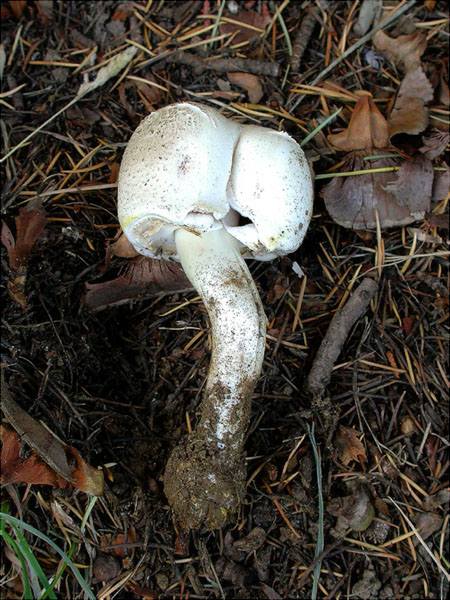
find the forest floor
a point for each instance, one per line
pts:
(347, 493)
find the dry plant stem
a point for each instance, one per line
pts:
(224, 65)
(336, 335)
(303, 36)
(205, 475)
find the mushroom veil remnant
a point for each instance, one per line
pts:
(200, 189)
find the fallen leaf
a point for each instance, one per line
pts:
(256, 24)
(120, 545)
(349, 446)
(250, 83)
(435, 143)
(110, 70)
(65, 462)
(355, 512)
(369, 13)
(143, 277)
(413, 184)
(404, 51)
(123, 248)
(30, 224)
(150, 95)
(410, 114)
(367, 128)
(441, 185)
(17, 7)
(427, 523)
(355, 201)
(437, 500)
(44, 10)
(31, 470)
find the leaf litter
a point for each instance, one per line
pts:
(133, 372)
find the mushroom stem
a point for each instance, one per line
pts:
(205, 475)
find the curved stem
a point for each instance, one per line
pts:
(205, 475)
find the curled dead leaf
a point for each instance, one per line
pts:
(30, 224)
(396, 197)
(410, 113)
(435, 143)
(246, 25)
(404, 51)
(51, 462)
(143, 276)
(250, 83)
(349, 446)
(367, 128)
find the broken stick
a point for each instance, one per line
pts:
(337, 334)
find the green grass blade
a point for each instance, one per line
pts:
(83, 584)
(27, 591)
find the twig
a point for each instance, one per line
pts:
(320, 536)
(337, 333)
(224, 65)
(362, 40)
(303, 36)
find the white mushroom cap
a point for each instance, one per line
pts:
(174, 173)
(187, 166)
(270, 185)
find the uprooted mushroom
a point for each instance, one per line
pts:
(203, 190)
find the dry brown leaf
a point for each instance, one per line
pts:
(349, 446)
(435, 143)
(143, 277)
(150, 95)
(30, 224)
(119, 545)
(17, 7)
(367, 128)
(413, 184)
(242, 33)
(250, 83)
(65, 462)
(404, 51)
(410, 114)
(31, 470)
(355, 511)
(441, 185)
(427, 523)
(123, 248)
(398, 197)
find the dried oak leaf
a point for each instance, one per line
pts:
(435, 143)
(349, 446)
(250, 83)
(410, 113)
(246, 25)
(355, 512)
(404, 51)
(63, 466)
(367, 128)
(397, 197)
(142, 277)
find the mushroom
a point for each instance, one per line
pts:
(203, 190)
